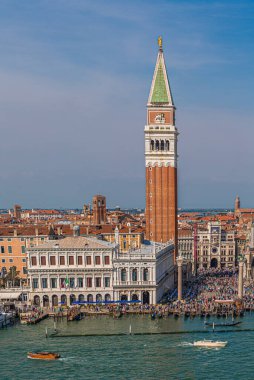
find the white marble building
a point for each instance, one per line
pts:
(88, 269)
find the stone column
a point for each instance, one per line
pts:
(179, 261)
(240, 280)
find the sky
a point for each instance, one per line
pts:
(75, 78)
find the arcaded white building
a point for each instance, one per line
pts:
(89, 269)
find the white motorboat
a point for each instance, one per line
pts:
(209, 343)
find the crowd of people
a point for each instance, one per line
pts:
(213, 292)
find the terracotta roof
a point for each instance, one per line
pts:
(75, 242)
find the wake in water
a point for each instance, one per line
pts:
(67, 359)
(185, 344)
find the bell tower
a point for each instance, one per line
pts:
(161, 157)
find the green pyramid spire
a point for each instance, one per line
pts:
(160, 91)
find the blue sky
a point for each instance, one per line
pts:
(75, 77)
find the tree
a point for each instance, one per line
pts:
(12, 276)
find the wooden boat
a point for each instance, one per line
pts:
(209, 343)
(43, 355)
(226, 324)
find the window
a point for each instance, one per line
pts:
(72, 282)
(71, 260)
(10, 260)
(1, 239)
(124, 244)
(35, 283)
(52, 260)
(88, 260)
(44, 283)
(9, 239)
(97, 282)
(43, 260)
(89, 282)
(24, 270)
(22, 239)
(33, 260)
(2, 249)
(134, 275)
(97, 260)
(80, 282)
(106, 260)
(9, 249)
(80, 260)
(53, 283)
(107, 282)
(3, 260)
(23, 249)
(23, 260)
(62, 260)
(145, 275)
(123, 275)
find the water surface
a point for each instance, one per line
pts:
(127, 357)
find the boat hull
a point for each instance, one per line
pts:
(209, 344)
(43, 355)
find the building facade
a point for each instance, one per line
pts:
(13, 244)
(216, 246)
(87, 269)
(161, 158)
(185, 244)
(144, 274)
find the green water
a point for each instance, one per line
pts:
(127, 357)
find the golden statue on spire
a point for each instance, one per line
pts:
(160, 42)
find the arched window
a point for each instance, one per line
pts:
(145, 274)
(54, 300)
(123, 275)
(152, 145)
(72, 298)
(167, 144)
(63, 299)
(134, 275)
(157, 145)
(162, 145)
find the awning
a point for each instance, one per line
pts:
(9, 296)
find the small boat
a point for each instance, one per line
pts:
(226, 324)
(209, 343)
(43, 355)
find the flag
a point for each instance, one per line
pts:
(66, 281)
